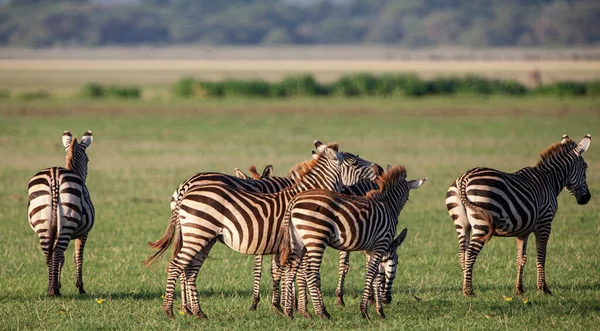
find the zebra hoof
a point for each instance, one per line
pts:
(340, 302)
(289, 314)
(82, 291)
(305, 314)
(546, 290)
(364, 314)
(277, 309)
(201, 316)
(252, 307)
(324, 315)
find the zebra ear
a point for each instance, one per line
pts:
(564, 139)
(315, 155)
(267, 172)
(415, 184)
(67, 138)
(584, 144)
(240, 174)
(400, 239)
(389, 166)
(86, 141)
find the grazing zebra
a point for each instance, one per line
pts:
(387, 270)
(245, 221)
(320, 218)
(60, 209)
(490, 203)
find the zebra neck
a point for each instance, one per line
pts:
(555, 173)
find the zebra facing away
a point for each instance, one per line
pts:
(320, 218)
(60, 209)
(245, 221)
(489, 202)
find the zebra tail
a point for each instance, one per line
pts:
(484, 213)
(285, 248)
(162, 244)
(54, 217)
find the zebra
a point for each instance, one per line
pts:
(245, 221)
(320, 218)
(489, 202)
(60, 209)
(353, 169)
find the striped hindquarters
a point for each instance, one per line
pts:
(59, 206)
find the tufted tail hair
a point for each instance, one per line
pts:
(173, 233)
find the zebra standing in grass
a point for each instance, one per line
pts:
(489, 203)
(244, 221)
(353, 169)
(60, 209)
(319, 218)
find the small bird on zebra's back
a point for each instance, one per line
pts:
(60, 209)
(486, 202)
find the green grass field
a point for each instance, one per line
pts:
(143, 150)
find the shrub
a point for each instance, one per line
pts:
(446, 85)
(300, 85)
(185, 87)
(476, 85)
(33, 95)
(592, 88)
(250, 88)
(563, 89)
(509, 87)
(93, 90)
(123, 92)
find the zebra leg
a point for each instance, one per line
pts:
(58, 259)
(371, 273)
(342, 271)
(521, 259)
(184, 294)
(475, 246)
(377, 286)
(541, 241)
(79, 246)
(191, 273)
(458, 213)
(174, 270)
(276, 273)
(302, 301)
(291, 269)
(256, 281)
(313, 263)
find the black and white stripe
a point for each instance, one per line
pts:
(486, 202)
(60, 209)
(245, 221)
(320, 218)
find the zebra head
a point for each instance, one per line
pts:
(576, 177)
(354, 168)
(77, 159)
(387, 268)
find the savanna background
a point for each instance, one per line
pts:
(173, 87)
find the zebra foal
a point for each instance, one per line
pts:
(60, 209)
(489, 202)
(319, 218)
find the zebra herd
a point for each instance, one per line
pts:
(335, 199)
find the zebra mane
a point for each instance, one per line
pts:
(556, 150)
(388, 179)
(69, 157)
(302, 169)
